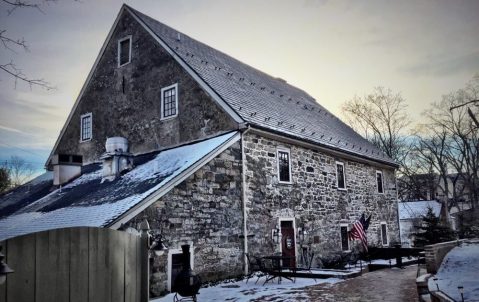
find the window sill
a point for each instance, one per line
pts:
(285, 182)
(119, 66)
(84, 141)
(168, 118)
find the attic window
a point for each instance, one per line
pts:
(124, 51)
(85, 127)
(169, 101)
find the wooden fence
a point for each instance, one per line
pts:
(74, 264)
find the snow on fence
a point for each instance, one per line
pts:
(73, 264)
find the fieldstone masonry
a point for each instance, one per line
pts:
(312, 198)
(125, 101)
(204, 211)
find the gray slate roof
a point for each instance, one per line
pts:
(262, 100)
(87, 201)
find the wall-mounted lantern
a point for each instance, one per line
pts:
(276, 235)
(4, 268)
(302, 233)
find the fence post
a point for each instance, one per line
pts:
(398, 255)
(145, 265)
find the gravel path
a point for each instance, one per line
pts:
(392, 285)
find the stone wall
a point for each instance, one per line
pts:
(206, 212)
(125, 101)
(312, 199)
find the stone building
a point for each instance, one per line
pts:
(217, 154)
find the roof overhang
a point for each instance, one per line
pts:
(164, 189)
(280, 136)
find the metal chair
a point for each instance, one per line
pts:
(307, 267)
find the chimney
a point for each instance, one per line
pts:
(116, 159)
(66, 167)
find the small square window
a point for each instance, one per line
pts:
(284, 166)
(124, 51)
(340, 179)
(85, 127)
(379, 181)
(384, 233)
(169, 101)
(344, 238)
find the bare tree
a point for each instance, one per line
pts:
(19, 171)
(449, 142)
(12, 45)
(381, 117)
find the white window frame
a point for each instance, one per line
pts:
(175, 86)
(119, 50)
(382, 181)
(341, 225)
(285, 150)
(344, 175)
(387, 233)
(170, 263)
(83, 116)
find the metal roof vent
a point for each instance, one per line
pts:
(116, 160)
(178, 37)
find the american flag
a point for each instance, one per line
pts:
(359, 231)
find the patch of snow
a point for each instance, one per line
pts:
(241, 291)
(460, 267)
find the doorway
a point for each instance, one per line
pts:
(288, 243)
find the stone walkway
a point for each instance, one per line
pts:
(392, 285)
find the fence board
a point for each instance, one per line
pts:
(138, 270)
(130, 269)
(3, 287)
(77, 264)
(21, 258)
(79, 250)
(52, 265)
(117, 251)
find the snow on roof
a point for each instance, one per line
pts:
(460, 267)
(417, 209)
(87, 201)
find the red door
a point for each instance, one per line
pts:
(287, 243)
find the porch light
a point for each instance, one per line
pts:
(276, 235)
(4, 268)
(302, 234)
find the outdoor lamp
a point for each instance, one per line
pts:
(461, 290)
(4, 268)
(157, 244)
(276, 235)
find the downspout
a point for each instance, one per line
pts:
(397, 206)
(245, 220)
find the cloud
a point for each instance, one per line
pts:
(11, 129)
(440, 66)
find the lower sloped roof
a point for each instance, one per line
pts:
(87, 201)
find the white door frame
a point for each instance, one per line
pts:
(172, 252)
(280, 242)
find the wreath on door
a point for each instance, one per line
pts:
(289, 242)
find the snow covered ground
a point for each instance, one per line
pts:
(460, 267)
(240, 291)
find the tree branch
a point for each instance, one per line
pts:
(11, 69)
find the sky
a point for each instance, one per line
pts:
(333, 50)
